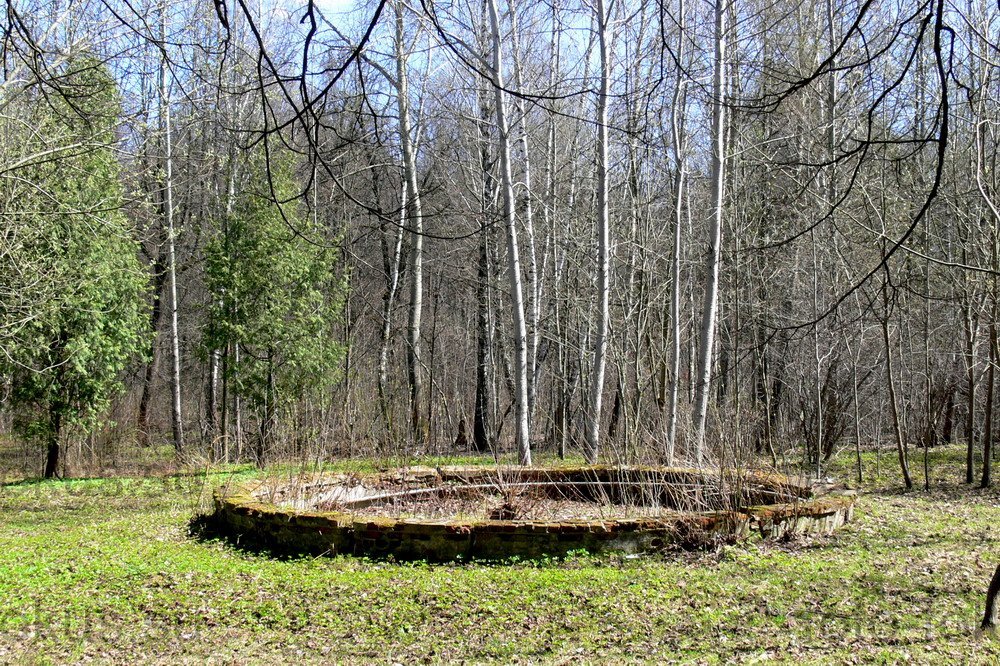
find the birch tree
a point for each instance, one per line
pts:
(603, 228)
(519, 331)
(714, 260)
(176, 417)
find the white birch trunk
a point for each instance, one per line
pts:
(534, 304)
(389, 303)
(177, 421)
(416, 228)
(711, 304)
(520, 335)
(593, 416)
(677, 133)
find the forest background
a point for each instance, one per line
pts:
(683, 232)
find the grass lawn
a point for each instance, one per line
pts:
(105, 570)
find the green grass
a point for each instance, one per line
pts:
(104, 569)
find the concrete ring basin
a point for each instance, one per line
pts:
(456, 513)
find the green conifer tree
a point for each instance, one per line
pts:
(65, 363)
(279, 298)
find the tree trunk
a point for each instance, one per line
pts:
(677, 117)
(53, 448)
(267, 424)
(237, 409)
(155, 317)
(519, 332)
(930, 414)
(392, 265)
(990, 618)
(224, 425)
(593, 426)
(857, 424)
(414, 368)
(526, 207)
(212, 401)
(711, 304)
(970, 372)
(429, 426)
(177, 421)
(481, 420)
(893, 405)
(948, 427)
(987, 478)
(984, 190)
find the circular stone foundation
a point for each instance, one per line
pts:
(449, 513)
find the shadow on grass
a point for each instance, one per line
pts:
(206, 529)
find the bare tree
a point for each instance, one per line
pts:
(177, 422)
(603, 223)
(714, 264)
(520, 333)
